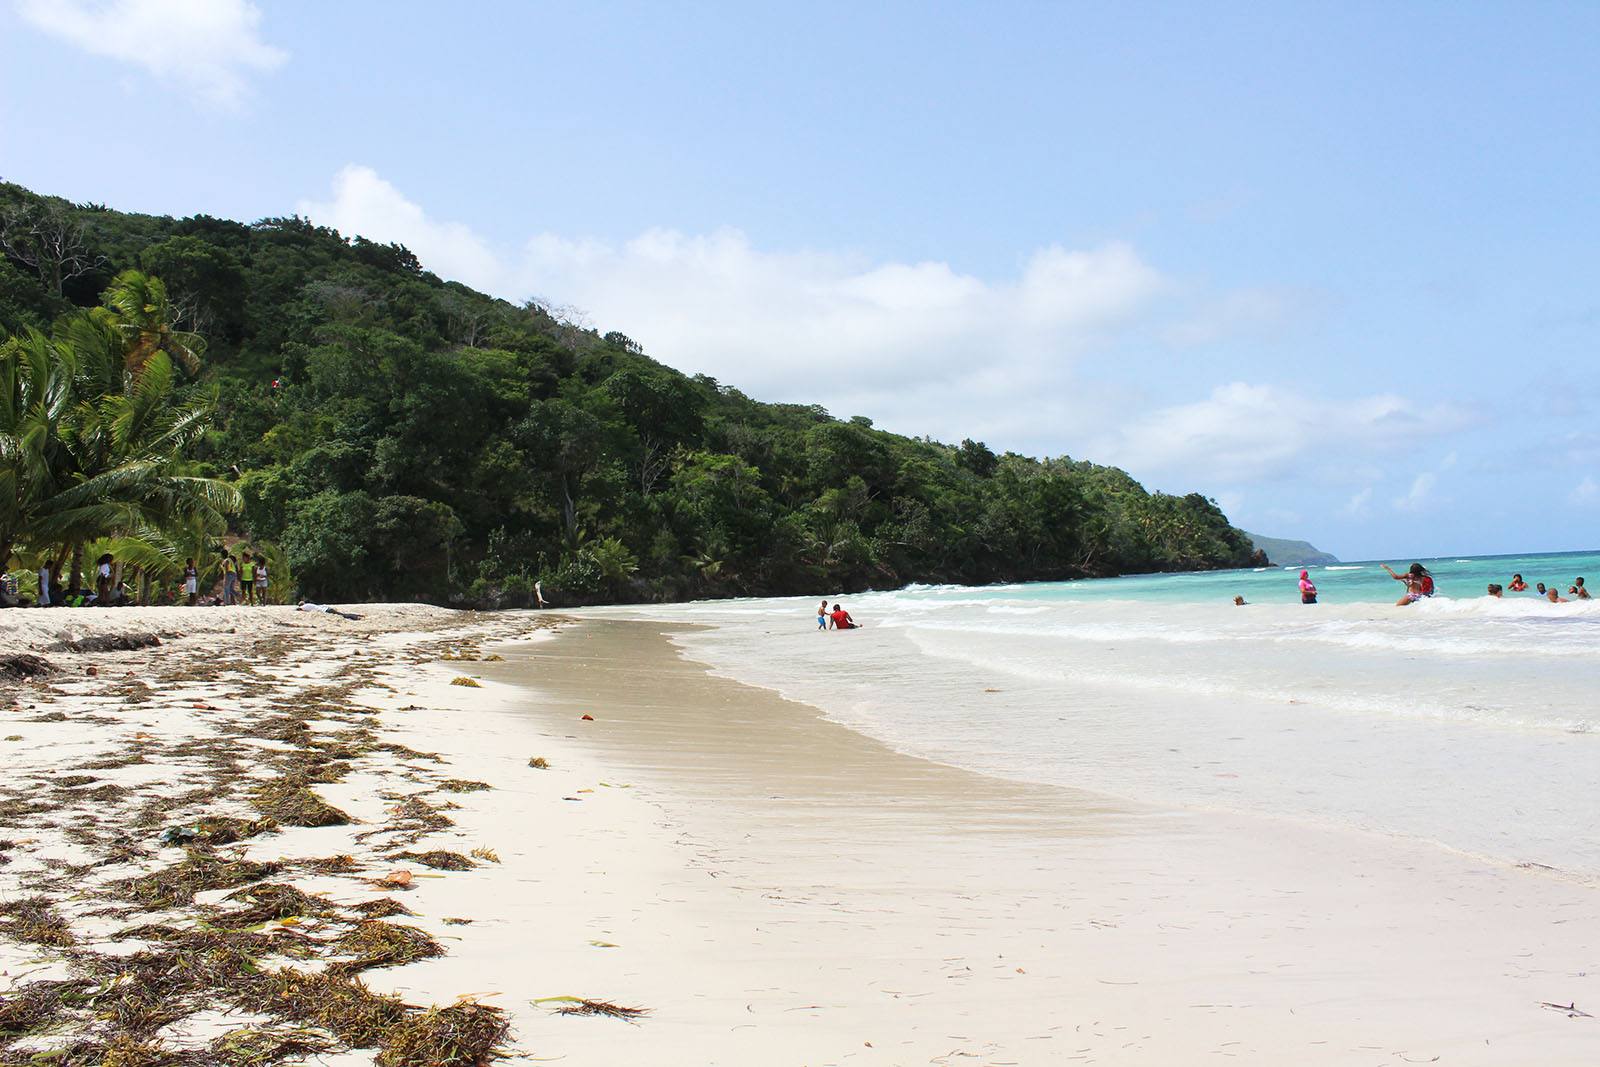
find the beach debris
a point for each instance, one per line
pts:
(176, 835)
(465, 1034)
(379, 944)
(109, 643)
(582, 1006)
(602, 944)
(272, 901)
(465, 681)
(484, 852)
(91, 670)
(450, 920)
(383, 907)
(331, 865)
(35, 921)
(176, 885)
(295, 805)
(538, 763)
(1571, 1011)
(438, 859)
(399, 878)
(416, 817)
(462, 785)
(588, 718)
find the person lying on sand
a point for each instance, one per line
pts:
(306, 605)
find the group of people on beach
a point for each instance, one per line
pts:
(1419, 585)
(837, 619)
(1575, 591)
(244, 579)
(53, 593)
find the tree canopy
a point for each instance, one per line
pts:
(400, 436)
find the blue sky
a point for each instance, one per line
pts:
(1334, 266)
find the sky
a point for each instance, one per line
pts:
(1335, 266)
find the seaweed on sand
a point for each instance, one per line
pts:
(331, 865)
(464, 1034)
(176, 885)
(34, 920)
(382, 908)
(225, 830)
(463, 785)
(295, 805)
(438, 859)
(249, 1047)
(381, 944)
(269, 901)
(414, 818)
(580, 1006)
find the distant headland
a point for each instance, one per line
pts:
(1286, 553)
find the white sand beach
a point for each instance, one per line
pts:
(768, 887)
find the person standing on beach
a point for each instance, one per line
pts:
(538, 592)
(230, 579)
(261, 578)
(191, 581)
(102, 580)
(822, 615)
(1308, 591)
(247, 577)
(1419, 583)
(44, 583)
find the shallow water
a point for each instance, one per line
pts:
(1462, 720)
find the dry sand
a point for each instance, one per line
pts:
(772, 888)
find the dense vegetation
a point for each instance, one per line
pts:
(393, 435)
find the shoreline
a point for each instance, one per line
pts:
(768, 885)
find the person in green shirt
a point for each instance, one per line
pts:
(247, 577)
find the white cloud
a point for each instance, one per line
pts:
(921, 347)
(1586, 494)
(1244, 432)
(365, 204)
(1360, 502)
(1418, 496)
(209, 46)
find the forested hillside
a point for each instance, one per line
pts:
(391, 435)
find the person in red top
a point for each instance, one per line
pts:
(841, 619)
(1419, 583)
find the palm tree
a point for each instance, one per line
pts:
(91, 447)
(35, 398)
(137, 306)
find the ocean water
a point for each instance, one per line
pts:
(1460, 722)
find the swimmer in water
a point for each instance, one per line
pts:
(1419, 583)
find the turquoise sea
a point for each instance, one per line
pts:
(1461, 722)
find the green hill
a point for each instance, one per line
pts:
(1285, 553)
(400, 436)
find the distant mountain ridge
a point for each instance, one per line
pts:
(1287, 553)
